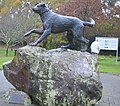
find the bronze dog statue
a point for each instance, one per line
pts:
(56, 23)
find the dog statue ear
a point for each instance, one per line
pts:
(43, 4)
(36, 3)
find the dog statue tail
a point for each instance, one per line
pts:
(91, 23)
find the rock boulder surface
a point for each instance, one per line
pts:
(55, 77)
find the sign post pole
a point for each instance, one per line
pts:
(116, 56)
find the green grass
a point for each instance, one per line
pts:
(108, 65)
(3, 53)
(3, 58)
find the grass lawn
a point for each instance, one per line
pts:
(3, 58)
(3, 53)
(108, 64)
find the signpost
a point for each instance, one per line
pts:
(107, 43)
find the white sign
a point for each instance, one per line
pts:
(108, 43)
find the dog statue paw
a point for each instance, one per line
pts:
(27, 34)
(33, 44)
(84, 49)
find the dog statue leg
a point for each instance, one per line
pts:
(43, 36)
(40, 32)
(70, 40)
(86, 43)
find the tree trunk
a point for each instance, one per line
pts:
(7, 48)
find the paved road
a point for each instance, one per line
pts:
(4, 87)
(111, 90)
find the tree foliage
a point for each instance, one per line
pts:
(105, 13)
(111, 8)
(82, 9)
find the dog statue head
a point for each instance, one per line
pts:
(40, 8)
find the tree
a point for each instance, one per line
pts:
(107, 24)
(14, 24)
(6, 32)
(82, 9)
(111, 8)
(8, 5)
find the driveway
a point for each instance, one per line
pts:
(111, 90)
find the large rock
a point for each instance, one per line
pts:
(55, 77)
